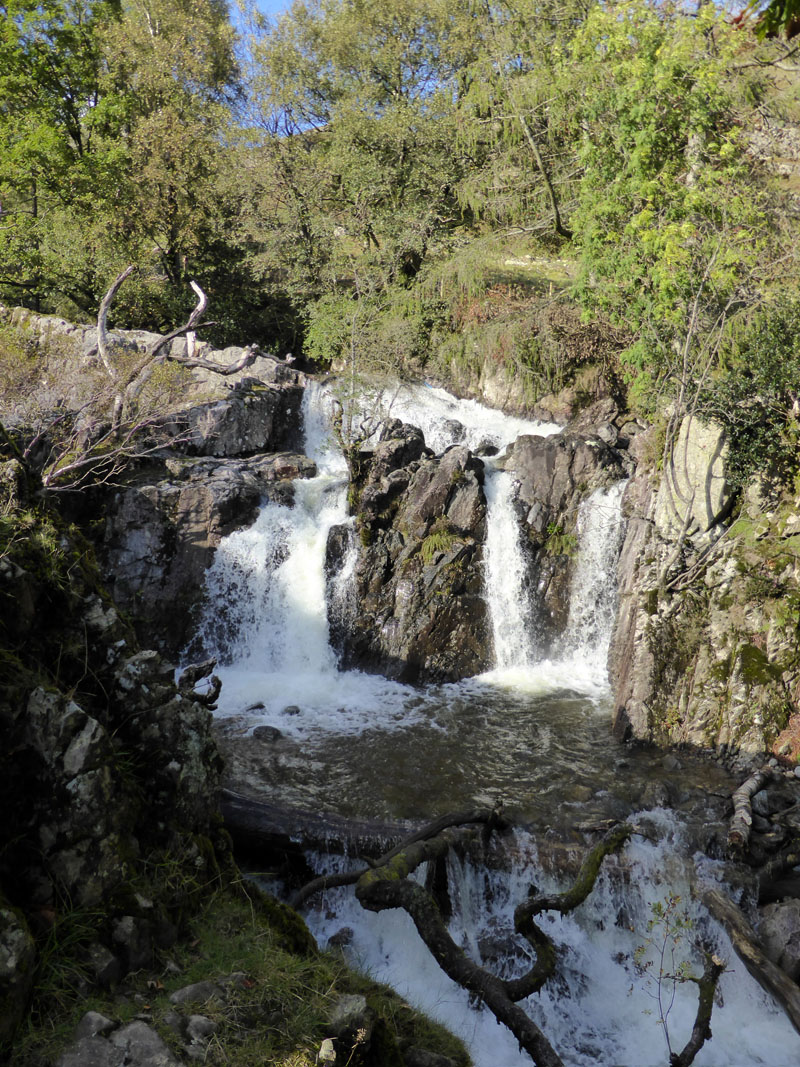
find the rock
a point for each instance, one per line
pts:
(655, 795)
(142, 1046)
(347, 1012)
(327, 1052)
(133, 935)
(161, 533)
(197, 993)
(94, 1024)
(200, 1027)
(342, 937)
(90, 1052)
(551, 469)
(696, 495)
(779, 930)
(418, 612)
(135, 1045)
(17, 966)
(270, 734)
(105, 967)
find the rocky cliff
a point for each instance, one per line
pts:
(705, 650)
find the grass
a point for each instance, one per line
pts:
(275, 1014)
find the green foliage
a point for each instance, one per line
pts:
(658, 959)
(276, 1015)
(754, 396)
(671, 231)
(440, 539)
(560, 542)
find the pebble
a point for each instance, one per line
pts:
(797, 771)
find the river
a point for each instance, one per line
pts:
(534, 731)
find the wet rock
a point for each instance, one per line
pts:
(552, 469)
(420, 614)
(162, 531)
(779, 930)
(270, 734)
(342, 937)
(656, 795)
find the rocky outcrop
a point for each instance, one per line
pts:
(69, 359)
(705, 648)
(108, 772)
(421, 615)
(161, 532)
(555, 474)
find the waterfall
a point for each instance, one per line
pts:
(525, 731)
(600, 529)
(266, 618)
(508, 599)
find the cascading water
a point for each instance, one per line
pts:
(510, 609)
(593, 602)
(602, 1009)
(525, 731)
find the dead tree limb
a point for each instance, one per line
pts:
(491, 818)
(388, 887)
(742, 819)
(748, 948)
(541, 944)
(102, 315)
(701, 1031)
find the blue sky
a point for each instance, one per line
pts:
(273, 7)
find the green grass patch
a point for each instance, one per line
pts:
(275, 1014)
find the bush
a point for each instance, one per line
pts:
(755, 396)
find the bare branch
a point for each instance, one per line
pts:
(102, 315)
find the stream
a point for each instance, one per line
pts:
(534, 731)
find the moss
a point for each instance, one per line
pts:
(651, 602)
(755, 668)
(277, 1015)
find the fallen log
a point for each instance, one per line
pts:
(258, 826)
(742, 819)
(748, 948)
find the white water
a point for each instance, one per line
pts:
(600, 1010)
(268, 621)
(510, 604)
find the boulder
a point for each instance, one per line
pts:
(419, 610)
(779, 930)
(694, 494)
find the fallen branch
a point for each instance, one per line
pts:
(387, 886)
(748, 948)
(701, 1031)
(742, 818)
(490, 817)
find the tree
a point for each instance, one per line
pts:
(671, 229)
(119, 417)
